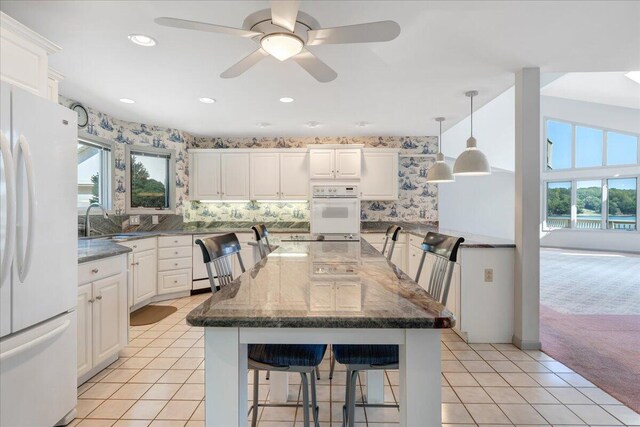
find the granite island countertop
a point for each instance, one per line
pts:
(94, 249)
(323, 285)
(421, 229)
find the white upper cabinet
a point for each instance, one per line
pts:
(265, 176)
(24, 57)
(234, 176)
(348, 163)
(322, 163)
(205, 182)
(294, 176)
(379, 175)
(335, 163)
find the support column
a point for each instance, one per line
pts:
(527, 209)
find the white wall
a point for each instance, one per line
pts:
(480, 205)
(599, 115)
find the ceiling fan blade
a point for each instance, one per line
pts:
(244, 64)
(382, 31)
(284, 13)
(203, 26)
(314, 66)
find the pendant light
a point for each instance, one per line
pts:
(440, 172)
(471, 161)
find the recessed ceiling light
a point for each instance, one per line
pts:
(313, 124)
(362, 124)
(634, 75)
(142, 40)
(127, 101)
(264, 125)
(286, 99)
(206, 100)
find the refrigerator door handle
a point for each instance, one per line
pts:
(42, 338)
(10, 240)
(24, 264)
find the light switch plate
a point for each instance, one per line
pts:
(134, 220)
(488, 275)
(154, 219)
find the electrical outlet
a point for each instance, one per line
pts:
(134, 220)
(154, 219)
(488, 275)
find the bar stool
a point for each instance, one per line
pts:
(303, 358)
(375, 357)
(262, 239)
(392, 233)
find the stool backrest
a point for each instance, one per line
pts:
(262, 239)
(219, 251)
(393, 233)
(445, 250)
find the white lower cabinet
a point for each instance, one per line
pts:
(102, 312)
(144, 275)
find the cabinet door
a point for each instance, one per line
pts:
(109, 317)
(83, 311)
(379, 176)
(235, 176)
(144, 277)
(399, 253)
(174, 281)
(321, 163)
(413, 261)
(294, 176)
(348, 163)
(205, 181)
(265, 176)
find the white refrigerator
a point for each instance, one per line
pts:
(38, 260)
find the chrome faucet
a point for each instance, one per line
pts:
(87, 223)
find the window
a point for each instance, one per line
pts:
(622, 203)
(559, 137)
(151, 179)
(588, 147)
(589, 204)
(622, 149)
(572, 145)
(95, 168)
(559, 204)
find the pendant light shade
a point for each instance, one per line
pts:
(440, 172)
(472, 161)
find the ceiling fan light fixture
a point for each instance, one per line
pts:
(282, 46)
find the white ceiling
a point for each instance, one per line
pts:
(611, 88)
(444, 49)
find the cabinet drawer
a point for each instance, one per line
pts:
(415, 240)
(174, 281)
(178, 252)
(95, 270)
(173, 241)
(140, 244)
(174, 264)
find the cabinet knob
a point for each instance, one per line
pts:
(95, 271)
(175, 241)
(91, 301)
(175, 281)
(176, 252)
(135, 246)
(99, 297)
(175, 263)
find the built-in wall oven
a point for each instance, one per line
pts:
(335, 211)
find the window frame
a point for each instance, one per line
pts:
(574, 125)
(172, 179)
(603, 178)
(110, 167)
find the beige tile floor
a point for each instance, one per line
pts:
(159, 381)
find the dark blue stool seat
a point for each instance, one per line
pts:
(281, 355)
(352, 354)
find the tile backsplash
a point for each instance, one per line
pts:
(418, 201)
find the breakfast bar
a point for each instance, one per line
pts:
(322, 293)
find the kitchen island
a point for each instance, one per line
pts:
(325, 293)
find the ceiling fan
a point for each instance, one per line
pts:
(284, 32)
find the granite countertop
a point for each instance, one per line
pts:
(93, 249)
(295, 286)
(421, 229)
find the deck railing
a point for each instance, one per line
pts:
(591, 223)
